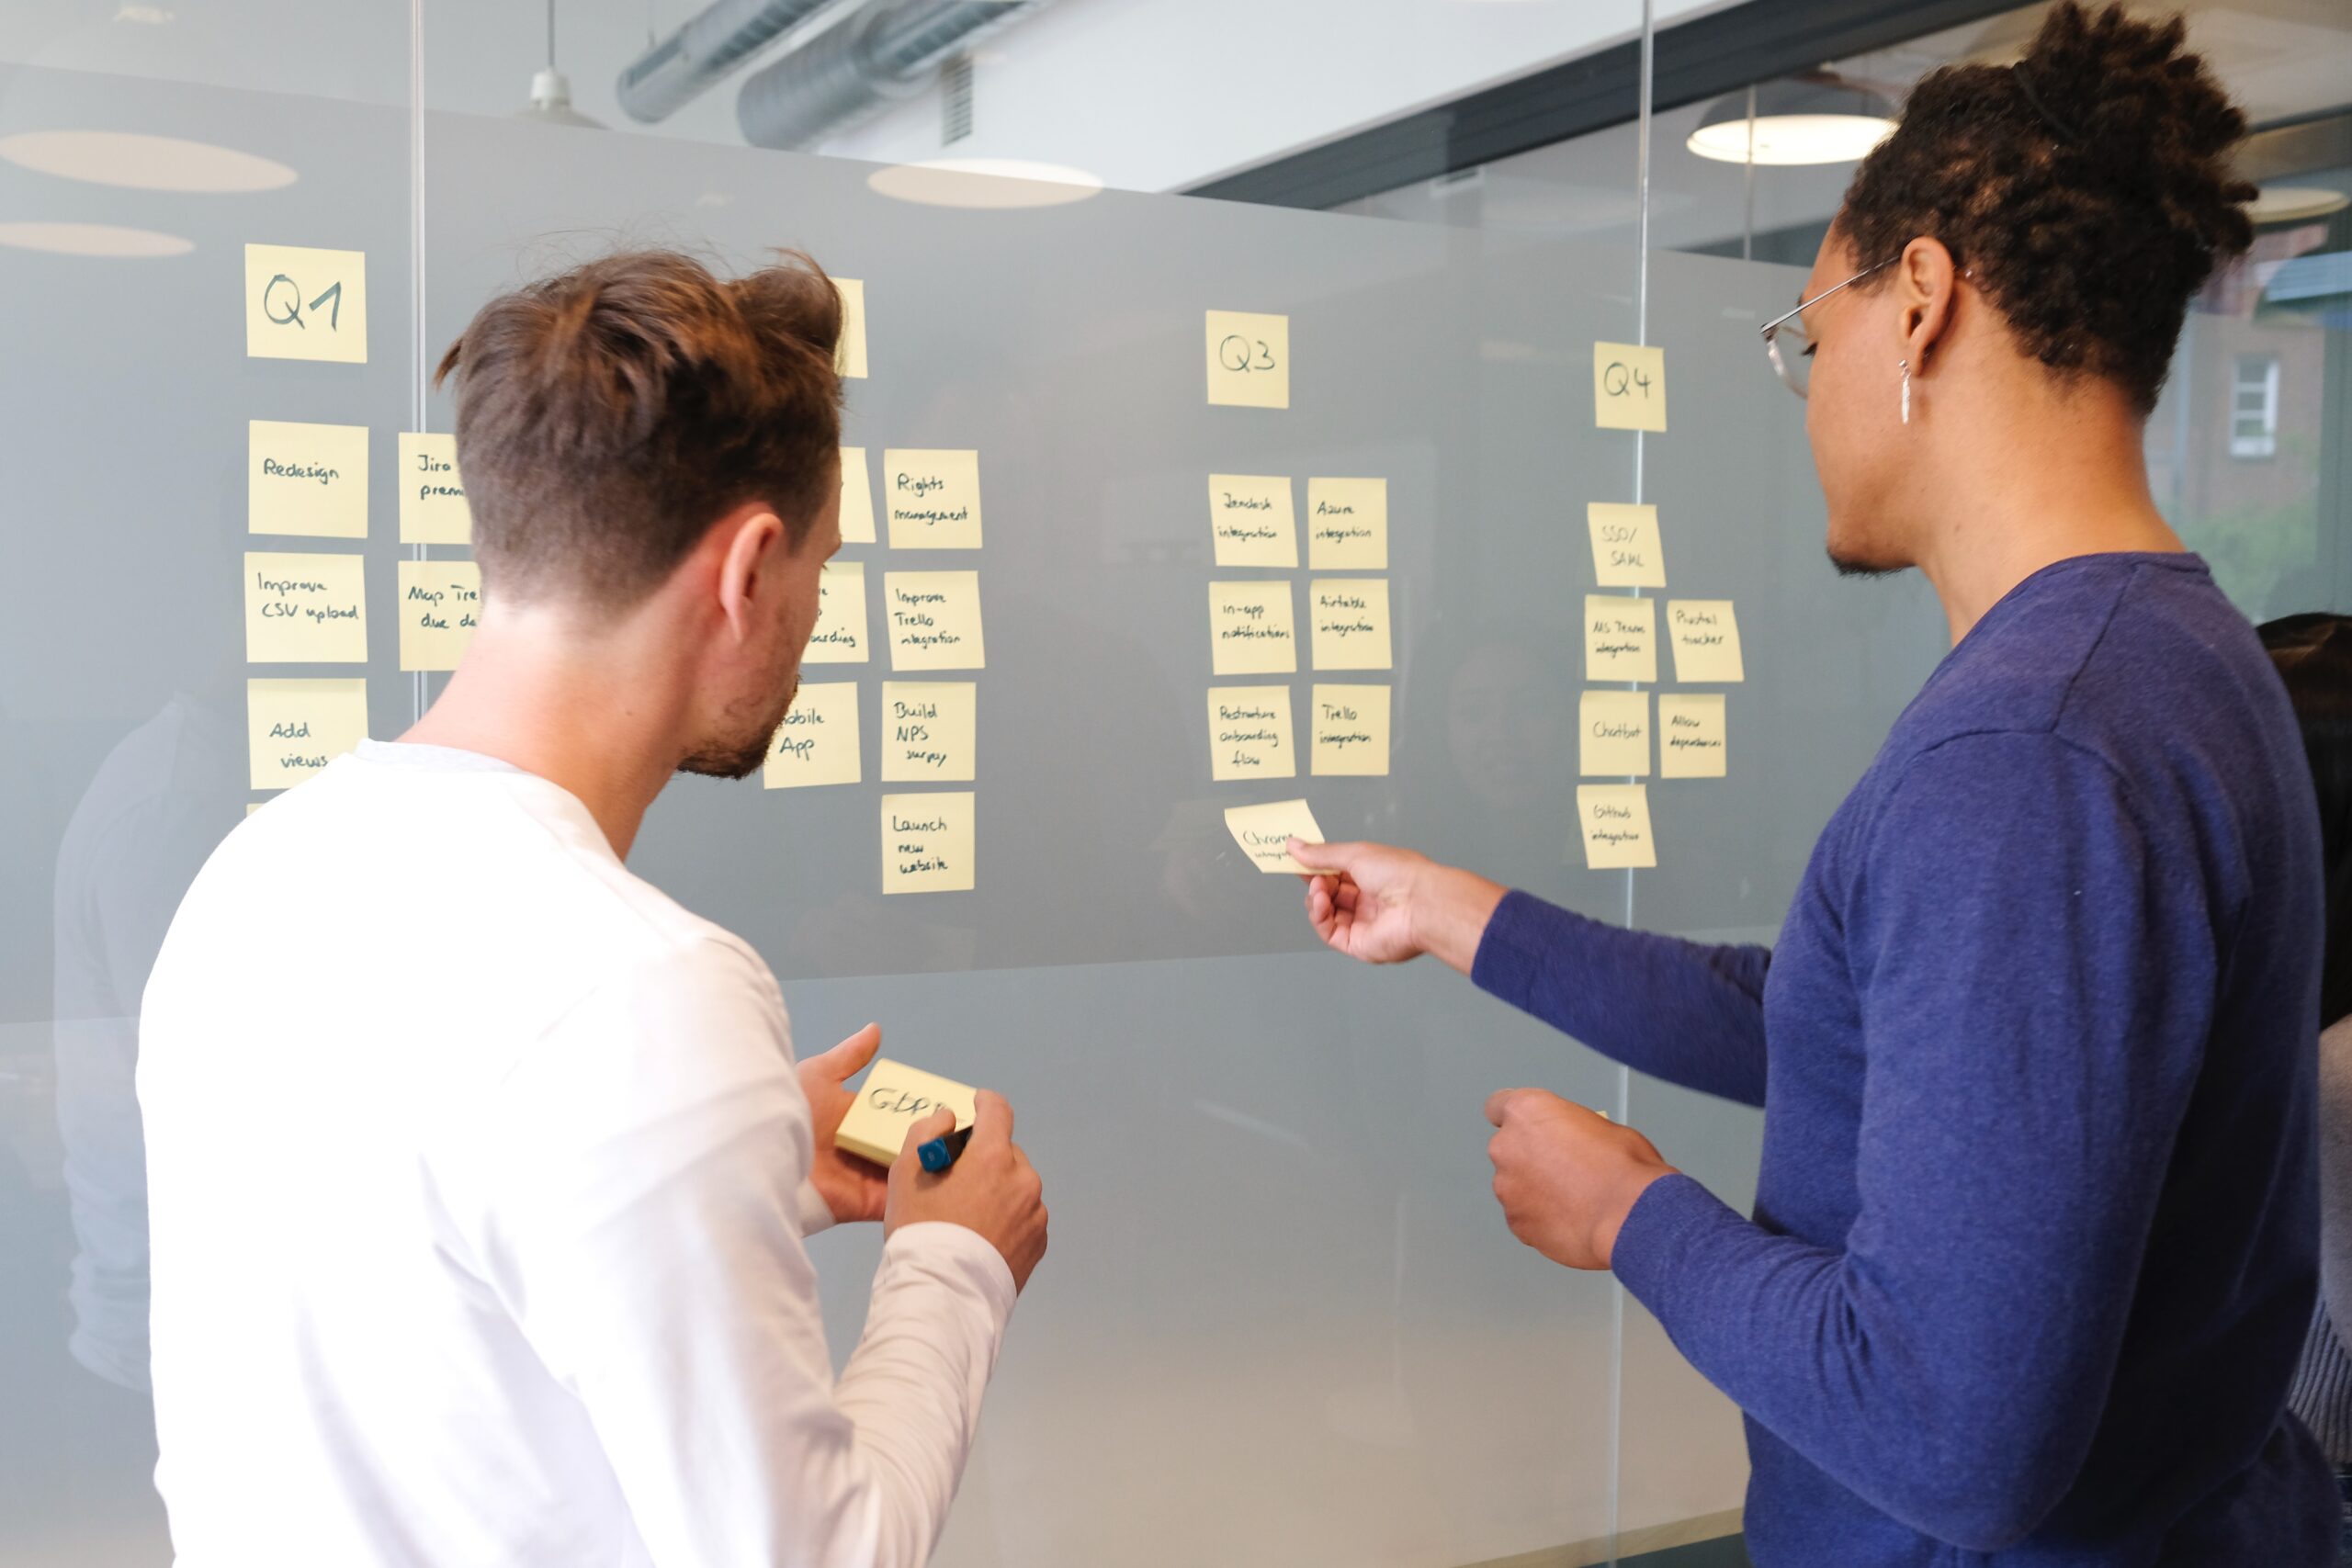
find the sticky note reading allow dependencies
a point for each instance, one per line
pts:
(933, 498)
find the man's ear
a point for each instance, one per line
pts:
(1924, 281)
(747, 537)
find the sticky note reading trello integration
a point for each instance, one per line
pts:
(1350, 731)
(817, 743)
(1264, 833)
(935, 619)
(306, 478)
(933, 498)
(1616, 821)
(1249, 359)
(1619, 638)
(927, 842)
(1625, 548)
(433, 496)
(894, 1098)
(1251, 522)
(1706, 640)
(306, 303)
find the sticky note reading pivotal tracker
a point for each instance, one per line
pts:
(1614, 733)
(927, 842)
(849, 358)
(1350, 621)
(1628, 387)
(440, 606)
(433, 496)
(893, 1100)
(1350, 731)
(304, 303)
(933, 619)
(1250, 733)
(1347, 525)
(1250, 630)
(1626, 552)
(1264, 831)
(857, 498)
(816, 742)
(293, 729)
(305, 609)
(928, 731)
(1616, 822)
(1691, 739)
(1249, 359)
(306, 478)
(1250, 521)
(840, 637)
(1619, 638)
(1706, 639)
(933, 498)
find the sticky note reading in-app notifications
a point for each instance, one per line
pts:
(440, 606)
(1614, 730)
(1347, 525)
(935, 619)
(1249, 359)
(1691, 740)
(293, 729)
(840, 637)
(927, 842)
(1350, 621)
(933, 498)
(1250, 521)
(306, 478)
(305, 303)
(1250, 733)
(1625, 548)
(857, 498)
(1616, 822)
(893, 1100)
(305, 609)
(849, 359)
(816, 742)
(1628, 387)
(1250, 631)
(1264, 832)
(1706, 640)
(1619, 638)
(929, 730)
(433, 494)
(1350, 731)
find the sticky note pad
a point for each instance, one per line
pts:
(1616, 822)
(1619, 638)
(840, 635)
(1706, 639)
(1347, 525)
(891, 1101)
(432, 495)
(1250, 733)
(293, 729)
(1626, 552)
(1262, 832)
(306, 478)
(933, 498)
(857, 498)
(1692, 742)
(303, 303)
(935, 619)
(1249, 359)
(305, 609)
(1628, 387)
(927, 730)
(848, 357)
(1250, 630)
(927, 842)
(1350, 621)
(1614, 733)
(1350, 731)
(1250, 520)
(440, 606)
(816, 742)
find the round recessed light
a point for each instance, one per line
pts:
(2285, 204)
(1789, 140)
(138, 162)
(983, 182)
(92, 240)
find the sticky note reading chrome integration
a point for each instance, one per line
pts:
(1614, 733)
(1350, 731)
(1628, 387)
(1250, 733)
(305, 609)
(817, 743)
(840, 637)
(1347, 525)
(935, 619)
(1692, 742)
(857, 498)
(293, 729)
(1350, 621)
(1626, 552)
(306, 478)
(1250, 630)
(432, 495)
(304, 303)
(933, 498)
(440, 606)
(1263, 832)
(928, 731)
(891, 1101)
(1250, 520)
(1249, 359)
(1619, 638)
(1616, 822)
(1706, 639)
(927, 842)
(849, 358)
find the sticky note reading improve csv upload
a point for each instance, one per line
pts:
(1706, 639)
(927, 842)
(1619, 638)
(816, 742)
(933, 619)
(1616, 822)
(1251, 522)
(928, 731)
(440, 606)
(433, 496)
(293, 729)
(857, 498)
(1249, 359)
(1691, 739)
(1350, 621)
(840, 635)
(1628, 387)
(303, 303)
(1250, 630)
(1250, 733)
(1264, 832)
(1613, 734)
(933, 498)
(891, 1101)
(1350, 737)
(306, 478)
(1347, 525)
(305, 609)
(1626, 551)
(848, 357)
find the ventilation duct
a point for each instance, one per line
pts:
(879, 55)
(711, 43)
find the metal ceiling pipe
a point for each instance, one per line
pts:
(705, 47)
(887, 52)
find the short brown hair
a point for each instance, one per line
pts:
(606, 417)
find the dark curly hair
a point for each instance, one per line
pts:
(2087, 186)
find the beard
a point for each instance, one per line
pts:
(1856, 566)
(738, 754)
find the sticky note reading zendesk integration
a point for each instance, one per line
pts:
(303, 303)
(1264, 831)
(440, 606)
(928, 731)
(1619, 638)
(293, 729)
(1250, 630)
(932, 498)
(1250, 520)
(305, 609)
(1628, 387)
(1249, 359)
(1350, 731)
(1691, 740)
(1616, 821)
(857, 498)
(849, 359)
(1347, 525)
(1250, 733)
(816, 742)
(891, 1101)
(840, 637)
(1706, 639)
(927, 842)
(935, 619)
(1614, 733)
(306, 478)
(432, 495)
(1626, 552)
(1350, 621)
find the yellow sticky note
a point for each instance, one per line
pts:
(1263, 832)
(1347, 525)
(306, 478)
(440, 606)
(293, 729)
(1614, 733)
(1250, 520)
(817, 743)
(927, 842)
(840, 637)
(1350, 621)
(1706, 639)
(1350, 731)
(1626, 551)
(1692, 742)
(935, 619)
(1628, 387)
(928, 731)
(1250, 630)
(432, 495)
(849, 358)
(305, 609)
(302, 303)
(1249, 359)
(1616, 822)
(1250, 733)
(889, 1104)
(857, 498)
(933, 498)
(1619, 638)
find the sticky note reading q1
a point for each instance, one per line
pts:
(1616, 822)
(893, 1099)
(1626, 551)
(303, 303)
(1264, 833)
(432, 495)
(1628, 387)
(817, 743)
(927, 841)
(1249, 359)
(440, 606)
(306, 478)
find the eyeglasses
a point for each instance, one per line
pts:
(1785, 340)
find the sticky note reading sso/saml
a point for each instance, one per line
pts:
(933, 619)
(857, 498)
(1350, 625)
(293, 729)
(1628, 387)
(933, 498)
(1691, 739)
(1249, 359)
(305, 609)
(1264, 833)
(927, 842)
(1250, 733)
(817, 743)
(893, 1100)
(1250, 630)
(1626, 552)
(1706, 639)
(432, 495)
(929, 731)
(1350, 738)
(306, 303)
(440, 606)
(1347, 525)
(1619, 638)
(849, 356)
(1251, 522)
(1616, 822)
(1614, 733)
(306, 478)
(840, 635)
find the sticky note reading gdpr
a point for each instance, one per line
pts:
(891, 1101)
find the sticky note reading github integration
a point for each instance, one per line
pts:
(1616, 822)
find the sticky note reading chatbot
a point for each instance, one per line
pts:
(892, 1099)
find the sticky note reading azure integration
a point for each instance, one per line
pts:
(1616, 821)
(440, 606)
(306, 478)
(1626, 551)
(433, 496)
(305, 609)
(1250, 521)
(893, 1099)
(1249, 359)
(1347, 525)
(1250, 630)
(302, 303)
(816, 742)
(1264, 833)
(293, 729)
(1250, 733)
(840, 637)
(1706, 639)
(1619, 638)
(927, 842)
(849, 359)
(935, 619)
(1628, 387)
(934, 498)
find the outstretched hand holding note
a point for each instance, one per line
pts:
(1384, 905)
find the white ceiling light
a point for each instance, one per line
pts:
(92, 240)
(984, 183)
(1820, 118)
(135, 161)
(2286, 204)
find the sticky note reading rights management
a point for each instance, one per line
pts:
(891, 1101)
(933, 498)
(1264, 833)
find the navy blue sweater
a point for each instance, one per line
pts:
(2035, 1236)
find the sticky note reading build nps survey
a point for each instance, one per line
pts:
(1250, 520)
(927, 730)
(305, 609)
(1616, 821)
(433, 496)
(295, 727)
(816, 742)
(849, 359)
(306, 478)
(1706, 639)
(891, 1101)
(1626, 552)
(1350, 621)
(1628, 387)
(1263, 832)
(857, 498)
(1250, 630)
(840, 637)
(1249, 359)
(1691, 740)
(1347, 525)
(1619, 638)
(927, 842)
(440, 606)
(935, 619)
(934, 498)
(1250, 733)
(1614, 733)
(302, 303)
(1350, 731)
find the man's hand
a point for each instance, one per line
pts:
(992, 1189)
(1566, 1176)
(852, 1189)
(1384, 905)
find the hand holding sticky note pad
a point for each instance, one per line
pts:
(1264, 833)
(892, 1099)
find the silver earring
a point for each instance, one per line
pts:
(1906, 365)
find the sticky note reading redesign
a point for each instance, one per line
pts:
(1614, 733)
(1692, 742)
(304, 303)
(1350, 621)
(1626, 552)
(857, 498)
(1250, 520)
(293, 729)
(928, 731)
(891, 1101)
(932, 498)
(1616, 822)
(433, 496)
(1264, 832)
(305, 609)
(1250, 630)
(1249, 359)
(840, 637)
(1250, 733)
(817, 743)
(306, 478)
(1628, 387)
(935, 619)
(1706, 639)
(1350, 731)
(849, 358)
(440, 606)
(1347, 525)
(1619, 638)
(927, 842)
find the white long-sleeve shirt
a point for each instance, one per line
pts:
(477, 1184)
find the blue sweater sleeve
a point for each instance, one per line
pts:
(2036, 983)
(1688, 1014)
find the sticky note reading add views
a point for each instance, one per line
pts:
(293, 729)
(933, 498)
(305, 609)
(302, 303)
(816, 742)
(306, 478)
(1249, 359)
(1628, 387)
(1250, 733)
(1250, 521)
(1264, 833)
(433, 496)
(1626, 552)
(927, 842)
(891, 1100)
(1350, 621)
(1350, 731)
(933, 619)
(1616, 823)
(1706, 639)
(440, 606)
(1250, 629)
(840, 637)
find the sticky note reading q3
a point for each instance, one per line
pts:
(817, 743)
(293, 729)
(927, 841)
(306, 478)
(1626, 551)
(1249, 359)
(440, 606)
(1616, 823)
(305, 303)
(890, 1102)
(1250, 733)
(1628, 387)
(1264, 833)
(432, 495)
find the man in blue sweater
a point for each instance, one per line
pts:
(2034, 1240)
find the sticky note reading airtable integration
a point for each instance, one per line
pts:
(440, 606)
(1249, 359)
(929, 731)
(1250, 520)
(1347, 525)
(1619, 638)
(433, 496)
(840, 637)
(1628, 387)
(857, 498)
(927, 842)
(894, 1098)
(1706, 640)
(1250, 733)
(933, 619)
(305, 609)
(816, 742)
(1626, 552)
(1691, 739)
(305, 303)
(1250, 630)
(1350, 621)
(1350, 731)
(1264, 832)
(293, 729)
(1614, 733)
(933, 498)
(306, 478)
(1616, 821)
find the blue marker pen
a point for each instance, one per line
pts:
(940, 1153)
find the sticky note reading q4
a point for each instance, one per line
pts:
(892, 1099)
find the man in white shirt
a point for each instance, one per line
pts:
(479, 1170)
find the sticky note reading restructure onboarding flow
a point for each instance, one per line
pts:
(840, 635)
(1249, 359)
(933, 498)
(1347, 525)
(857, 498)
(1619, 638)
(1250, 630)
(933, 618)
(1613, 734)
(892, 1102)
(1692, 742)
(1350, 621)
(1616, 823)
(1706, 640)
(927, 842)
(1264, 833)
(1251, 522)
(293, 729)
(440, 606)
(818, 743)
(929, 731)
(1628, 387)
(1626, 551)
(305, 609)
(1250, 733)
(433, 494)
(306, 478)
(848, 357)
(1350, 731)
(305, 303)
